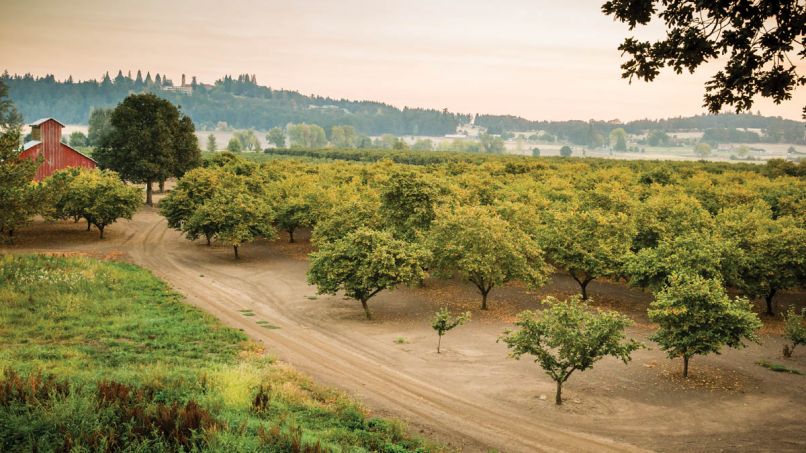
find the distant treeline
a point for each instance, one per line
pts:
(723, 128)
(239, 101)
(243, 104)
(524, 164)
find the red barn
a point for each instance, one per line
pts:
(47, 142)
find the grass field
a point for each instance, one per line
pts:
(101, 355)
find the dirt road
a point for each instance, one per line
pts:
(471, 395)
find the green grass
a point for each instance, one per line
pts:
(102, 354)
(266, 324)
(778, 368)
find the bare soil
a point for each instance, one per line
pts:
(472, 395)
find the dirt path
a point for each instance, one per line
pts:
(471, 395)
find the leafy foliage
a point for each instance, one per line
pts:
(407, 204)
(485, 249)
(771, 253)
(19, 197)
(590, 242)
(99, 196)
(794, 330)
(101, 355)
(565, 151)
(567, 337)
(276, 136)
(758, 37)
(364, 263)
(444, 321)
(297, 202)
(233, 216)
(696, 317)
(308, 136)
(149, 141)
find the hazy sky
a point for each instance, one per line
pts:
(537, 59)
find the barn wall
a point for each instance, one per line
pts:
(57, 155)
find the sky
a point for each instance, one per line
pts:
(540, 59)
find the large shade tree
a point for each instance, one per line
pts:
(759, 42)
(149, 141)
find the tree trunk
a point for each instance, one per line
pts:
(291, 235)
(484, 299)
(768, 298)
(209, 243)
(685, 366)
(235, 247)
(88, 224)
(439, 342)
(584, 286)
(162, 185)
(366, 309)
(101, 229)
(149, 201)
(558, 398)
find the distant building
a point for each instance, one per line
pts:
(46, 141)
(184, 88)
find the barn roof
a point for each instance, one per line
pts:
(30, 144)
(79, 152)
(45, 120)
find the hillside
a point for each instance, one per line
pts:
(240, 102)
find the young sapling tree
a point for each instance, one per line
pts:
(794, 330)
(445, 321)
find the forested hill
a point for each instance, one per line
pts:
(768, 129)
(240, 102)
(243, 104)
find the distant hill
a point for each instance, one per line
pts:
(239, 101)
(243, 104)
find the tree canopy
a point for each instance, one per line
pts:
(99, 196)
(19, 197)
(762, 39)
(149, 141)
(569, 336)
(696, 317)
(485, 250)
(364, 263)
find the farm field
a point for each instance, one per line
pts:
(470, 396)
(100, 355)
